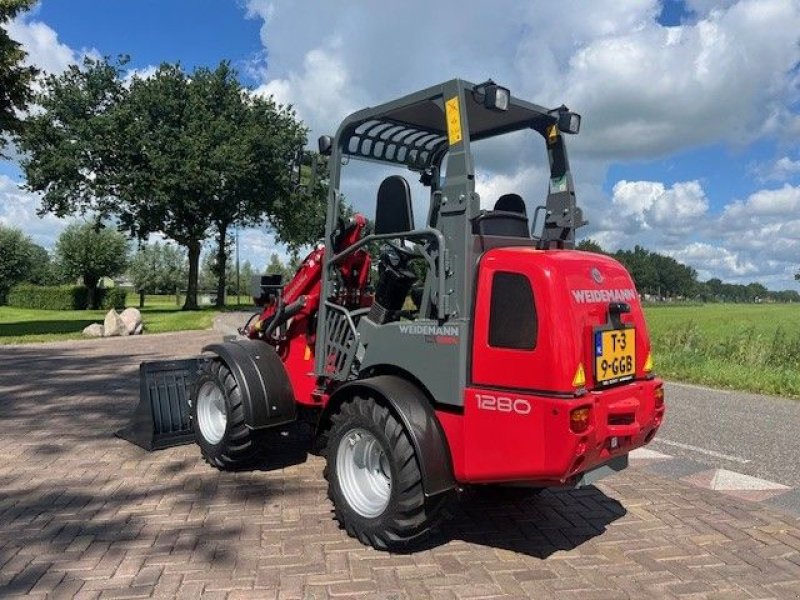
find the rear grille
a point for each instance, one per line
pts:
(623, 419)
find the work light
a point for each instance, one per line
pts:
(496, 97)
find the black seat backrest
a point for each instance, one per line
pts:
(393, 212)
(500, 222)
(511, 203)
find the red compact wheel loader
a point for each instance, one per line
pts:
(503, 357)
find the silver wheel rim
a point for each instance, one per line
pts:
(211, 414)
(362, 469)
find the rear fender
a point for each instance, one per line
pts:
(415, 411)
(260, 374)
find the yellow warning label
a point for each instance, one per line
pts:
(580, 377)
(453, 116)
(552, 133)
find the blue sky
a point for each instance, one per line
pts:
(691, 109)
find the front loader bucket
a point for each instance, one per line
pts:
(161, 418)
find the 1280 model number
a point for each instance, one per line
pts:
(504, 404)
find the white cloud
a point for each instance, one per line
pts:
(655, 89)
(650, 204)
(714, 261)
(644, 89)
(41, 42)
(18, 209)
(321, 91)
(784, 168)
(755, 239)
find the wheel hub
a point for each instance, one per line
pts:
(212, 417)
(363, 471)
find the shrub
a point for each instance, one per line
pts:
(112, 298)
(50, 297)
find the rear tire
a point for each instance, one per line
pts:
(374, 480)
(218, 419)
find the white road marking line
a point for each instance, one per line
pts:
(648, 454)
(700, 387)
(725, 480)
(737, 459)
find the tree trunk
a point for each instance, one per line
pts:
(141, 298)
(91, 287)
(194, 261)
(222, 263)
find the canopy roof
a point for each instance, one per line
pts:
(412, 130)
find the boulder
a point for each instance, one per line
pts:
(113, 325)
(132, 319)
(93, 330)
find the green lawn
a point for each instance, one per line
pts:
(753, 347)
(160, 314)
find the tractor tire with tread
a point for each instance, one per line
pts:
(409, 515)
(238, 446)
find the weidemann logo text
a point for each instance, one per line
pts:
(586, 296)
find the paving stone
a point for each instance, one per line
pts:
(84, 514)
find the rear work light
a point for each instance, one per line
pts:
(579, 419)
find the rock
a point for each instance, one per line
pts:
(132, 319)
(139, 329)
(93, 330)
(113, 325)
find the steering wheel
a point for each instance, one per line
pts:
(404, 253)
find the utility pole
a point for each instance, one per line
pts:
(236, 231)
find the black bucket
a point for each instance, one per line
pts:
(161, 418)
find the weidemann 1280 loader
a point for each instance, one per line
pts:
(505, 358)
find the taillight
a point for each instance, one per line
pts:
(579, 419)
(648, 363)
(659, 394)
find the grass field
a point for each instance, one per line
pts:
(160, 314)
(753, 347)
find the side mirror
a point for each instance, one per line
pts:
(325, 145)
(569, 122)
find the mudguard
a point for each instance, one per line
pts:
(260, 374)
(414, 409)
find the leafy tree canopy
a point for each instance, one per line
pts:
(21, 260)
(158, 268)
(15, 78)
(91, 251)
(183, 154)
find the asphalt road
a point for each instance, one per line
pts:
(748, 433)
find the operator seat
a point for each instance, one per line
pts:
(393, 211)
(393, 215)
(509, 218)
(511, 203)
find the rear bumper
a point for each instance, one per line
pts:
(513, 437)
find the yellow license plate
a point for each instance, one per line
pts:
(614, 355)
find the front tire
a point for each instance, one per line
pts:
(218, 419)
(374, 480)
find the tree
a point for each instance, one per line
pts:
(157, 269)
(209, 275)
(276, 267)
(589, 245)
(176, 153)
(15, 78)
(16, 259)
(91, 251)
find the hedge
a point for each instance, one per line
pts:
(64, 297)
(112, 298)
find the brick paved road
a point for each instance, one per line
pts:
(86, 515)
